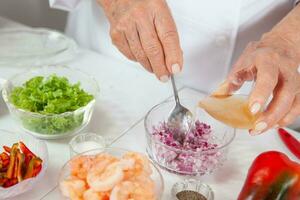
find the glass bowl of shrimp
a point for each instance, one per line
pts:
(110, 174)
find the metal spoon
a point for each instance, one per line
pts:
(180, 119)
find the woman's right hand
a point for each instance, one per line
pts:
(144, 31)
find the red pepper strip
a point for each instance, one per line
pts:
(291, 142)
(34, 162)
(15, 173)
(2, 181)
(25, 149)
(28, 159)
(37, 170)
(19, 170)
(5, 163)
(7, 149)
(10, 182)
(10, 170)
(4, 156)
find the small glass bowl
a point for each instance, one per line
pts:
(38, 147)
(52, 126)
(187, 162)
(156, 175)
(195, 186)
(85, 142)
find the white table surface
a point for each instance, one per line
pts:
(127, 93)
(227, 181)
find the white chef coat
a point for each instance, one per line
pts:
(212, 33)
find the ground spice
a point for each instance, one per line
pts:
(190, 195)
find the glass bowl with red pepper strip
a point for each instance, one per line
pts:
(23, 162)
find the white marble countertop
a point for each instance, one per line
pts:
(126, 94)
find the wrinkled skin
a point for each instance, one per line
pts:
(144, 31)
(274, 64)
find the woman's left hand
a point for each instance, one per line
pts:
(274, 64)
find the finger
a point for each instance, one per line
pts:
(153, 48)
(235, 80)
(238, 78)
(279, 106)
(168, 36)
(243, 70)
(136, 47)
(266, 81)
(293, 114)
(120, 41)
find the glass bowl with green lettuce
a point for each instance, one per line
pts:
(51, 102)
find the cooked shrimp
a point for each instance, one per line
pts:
(129, 190)
(79, 166)
(102, 164)
(143, 179)
(141, 161)
(102, 180)
(92, 195)
(142, 165)
(127, 164)
(73, 188)
(104, 157)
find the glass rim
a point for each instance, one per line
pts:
(123, 150)
(193, 181)
(148, 132)
(5, 93)
(85, 134)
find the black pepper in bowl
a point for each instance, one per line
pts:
(190, 195)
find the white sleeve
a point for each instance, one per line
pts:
(67, 5)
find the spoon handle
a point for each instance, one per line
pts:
(175, 90)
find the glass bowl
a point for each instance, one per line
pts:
(193, 186)
(52, 126)
(36, 146)
(182, 161)
(156, 175)
(34, 47)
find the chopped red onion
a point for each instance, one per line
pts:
(197, 155)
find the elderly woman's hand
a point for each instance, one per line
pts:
(274, 64)
(145, 31)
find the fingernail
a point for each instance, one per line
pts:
(255, 108)
(164, 78)
(175, 68)
(299, 69)
(259, 127)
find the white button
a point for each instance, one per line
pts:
(222, 40)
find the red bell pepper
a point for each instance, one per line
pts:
(12, 162)
(4, 156)
(20, 166)
(37, 170)
(10, 182)
(291, 142)
(33, 168)
(6, 149)
(272, 176)
(26, 150)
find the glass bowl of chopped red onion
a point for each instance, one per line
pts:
(204, 149)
